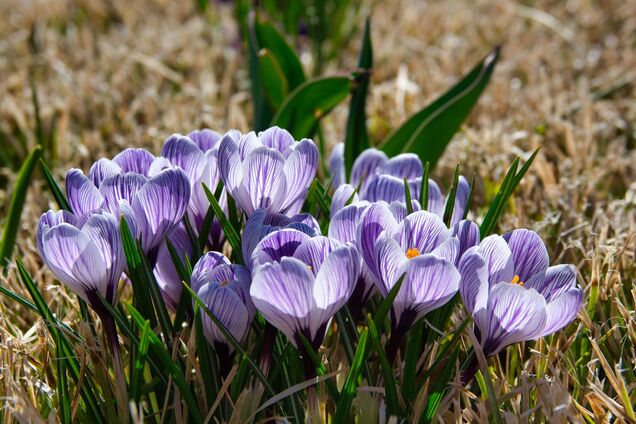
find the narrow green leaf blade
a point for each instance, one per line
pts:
(56, 191)
(230, 233)
(428, 132)
(273, 78)
(390, 386)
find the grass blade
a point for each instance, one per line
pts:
(390, 386)
(320, 368)
(450, 202)
(56, 191)
(230, 233)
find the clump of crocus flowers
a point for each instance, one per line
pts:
(294, 268)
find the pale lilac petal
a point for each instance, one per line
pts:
(241, 285)
(206, 139)
(82, 194)
(337, 165)
(230, 165)
(264, 179)
(341, 196)
(184, 153)
(389, 261)
(561, 311)
(344, 223)
(461, 200)
(376, 219)
(403, 165)
(473, 286)
(283, 294)
(435, 199)
(389, 189)
(400, 211)
(206, 264)
(300, 170)
(255, 230)
(448, 250)
(557, 280)
(134, 160)
(277, 138)
(334, 285)
(429, 283)
(229, 309)
(467, 232)
(515, 314)
(160, 205)
(277, 245)
(529, 253)
(121, 187)
(306, 223)
(247, 144)
(102, 169)
(422, 230)
(365, 167)
(498, 259)
(165, 270)
(314, 251)
(50, 219)
(159, 164)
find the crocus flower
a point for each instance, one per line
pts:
(261, 224)
(269, 171)
(152, 206)
(165, 270)
(84, 253)
(224, 289)
(300, 294)
(511, 292)
(422, 249)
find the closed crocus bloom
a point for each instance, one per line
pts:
(261, 224)
(84, 253)
(300, 294)
(165, 270)
(152, 206)
(511, 292)
(269, 170)
(422, 249)
(224, 289)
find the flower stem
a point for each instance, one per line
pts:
(121, 391)
(313, 404)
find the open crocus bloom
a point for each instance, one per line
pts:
(511, 292)
(224, 289)
(152, 206)
(300, 294)
(422, 249)
(270, 171)
(84, 253)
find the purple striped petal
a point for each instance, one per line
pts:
(230, 165)
(514, 314)
(429, 283)
(422, 230)
(400, 211)
(277, 138)
(165, 270)
(448, 250)
(529, 254)
(461, 200)
(50, 219)
(403, 165)
(562, 310)
(306, 223)
(228, 307)
(557, 280)
(282, 292)
(389, 189)
(206, 139)
(498, 259)
(467, 232)
(314, 251)
(264, 179)
(341, 196)
(277, 245)
(389, 263)
(337, 166)
(247, 143)
(121, 187)
(345, 221)
(376, 219)
(102, 169)
(435, 199)
(206, 264)
(160, 205)
(82, 194)
(473, 286)
(300, 170)
(134, 160)
(365, 167)
(184, 153)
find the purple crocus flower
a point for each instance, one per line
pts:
(270, 171)
(422, 249)
(152, 206)
(300, 294)
(199, 161)
(165, 270)
(261, 224)
(511, 292)
(224, 289)
(84, 253)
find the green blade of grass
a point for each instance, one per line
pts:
(390, 386)
(407, 197)
(320, 368)
(230, 233)
(58, 194)
(450, 202)
(16, 204)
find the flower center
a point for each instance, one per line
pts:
(224, 283)
(412, 253)
(517, 280)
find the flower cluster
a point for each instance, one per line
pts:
(295, 273)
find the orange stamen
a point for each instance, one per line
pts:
(412, 253)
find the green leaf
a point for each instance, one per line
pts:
(140, 364)
(428, 132)
(511, 181)
(407, 197)
(273, 78)
(320, 367)
(424, 188)
(58, 194)
(414, 345)
(390, 386)
(450, 202)
(206, 362)
(18, 196)
(384, 308)
(309, 102)
(356, 135)
(230, 233)
(350, 387)
(263, 112)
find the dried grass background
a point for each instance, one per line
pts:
(130, 72)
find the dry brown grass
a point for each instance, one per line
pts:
(129, 73)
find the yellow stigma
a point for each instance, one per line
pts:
(517, 280)
(412, 253)
(309, 267)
